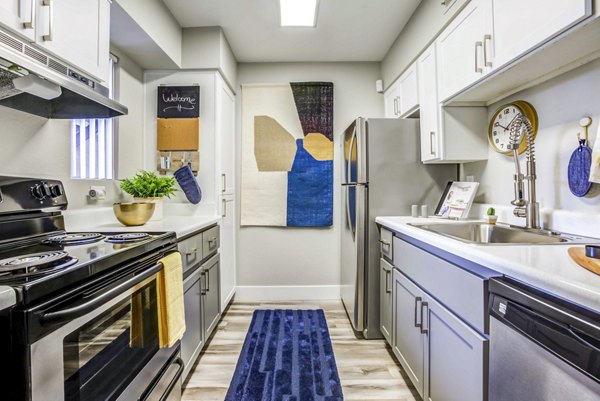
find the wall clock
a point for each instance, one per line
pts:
(499, 128)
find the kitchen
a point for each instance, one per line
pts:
(406, 307)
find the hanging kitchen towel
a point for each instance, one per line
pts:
(189, 185)
(595, 169)
(171, 316)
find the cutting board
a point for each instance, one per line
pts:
(577, 253)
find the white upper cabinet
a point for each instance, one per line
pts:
(402, 98)
(76, 31)
(448, 134)
(19, 16)
(520, 25)
(464, 48)
(429, 114)
(408, 92)
(391, 100)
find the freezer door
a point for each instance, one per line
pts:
(353, 256)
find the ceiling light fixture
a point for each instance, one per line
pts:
(298, 13)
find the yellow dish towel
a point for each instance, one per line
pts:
(171, 316)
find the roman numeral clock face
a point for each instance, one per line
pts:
(499, 129)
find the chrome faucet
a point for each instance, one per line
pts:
(530, 208)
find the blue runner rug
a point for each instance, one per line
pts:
(287, 356)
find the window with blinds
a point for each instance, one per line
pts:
(93, 144)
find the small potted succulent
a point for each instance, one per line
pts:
(490, 216)
(146, 186)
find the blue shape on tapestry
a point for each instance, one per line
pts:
(310, 191)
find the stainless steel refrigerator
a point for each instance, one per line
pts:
(382, 176)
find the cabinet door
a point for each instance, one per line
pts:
(227, 249)
(386, 299)
(408, 91)
(408, 341)
(211, 299)
(226, 137)
(192, 340)
(455, 355)
(76, 31)
(430, 107)
(19, 17)
(522, 25)
(461, 48)
(391, 102)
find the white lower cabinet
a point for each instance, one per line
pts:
(444, 358)
(408, 341)
(455, 357)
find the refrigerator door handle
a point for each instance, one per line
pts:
(349, 157)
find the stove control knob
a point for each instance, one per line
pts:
(40, 191)
(56, 190)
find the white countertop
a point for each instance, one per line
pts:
(7, 297)
(548, 267)
(182, 225)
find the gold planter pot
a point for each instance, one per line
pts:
(133, 214)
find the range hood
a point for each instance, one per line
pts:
(75, 95)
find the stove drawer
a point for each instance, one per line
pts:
(191, 251)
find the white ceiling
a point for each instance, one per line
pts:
(347, 30)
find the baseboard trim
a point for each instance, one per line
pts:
(287, 292)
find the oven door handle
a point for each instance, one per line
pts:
(81, 310)
(173, 383)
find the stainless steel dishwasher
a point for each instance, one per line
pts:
(542, 348)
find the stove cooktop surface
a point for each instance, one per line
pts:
(36, 266)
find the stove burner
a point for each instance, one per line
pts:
(74, 239)
(127, 238)
(36, 263)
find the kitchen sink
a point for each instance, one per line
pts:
(489, 234)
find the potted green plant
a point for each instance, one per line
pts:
(490, 216)
(146, 186)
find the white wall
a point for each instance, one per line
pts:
(305, 257)
(206, 175)
(208, 48)
(155, 19)
(560, 103)
(36, 147)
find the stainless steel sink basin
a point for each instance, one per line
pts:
(488, 234)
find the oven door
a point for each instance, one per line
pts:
(105, 339)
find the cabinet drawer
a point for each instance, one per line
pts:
(462, 292)
(191, 250)
(210, 241)
(386, 243)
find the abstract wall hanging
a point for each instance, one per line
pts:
(287, 155)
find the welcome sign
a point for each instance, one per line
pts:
(178, 102)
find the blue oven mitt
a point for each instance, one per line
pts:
(189, 185)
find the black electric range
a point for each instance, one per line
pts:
(86, 322)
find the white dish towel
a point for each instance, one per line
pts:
(595, 169)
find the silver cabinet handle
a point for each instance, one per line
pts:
(224, 207)
(223, 182)
(203, 287)
(48, 3)
(423, 329)
(385, 243)
(212, 242)
(30, 24)
(477, 68)
(395, 106)
(193, 252)
(486, 39)
(417, 324)
(388, 287)
(431, 137)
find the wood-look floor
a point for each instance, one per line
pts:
(366, 367)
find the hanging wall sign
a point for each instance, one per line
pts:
(178, 101)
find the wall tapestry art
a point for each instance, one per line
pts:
(287, 155)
